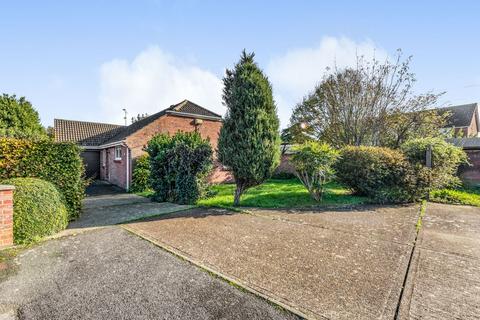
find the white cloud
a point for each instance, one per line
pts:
(295, 73)
(153, 81)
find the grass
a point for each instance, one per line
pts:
(280, 194)
(465, 196)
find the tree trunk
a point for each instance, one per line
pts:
(238, 194)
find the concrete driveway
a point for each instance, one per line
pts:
(338, 264)
(107, 204)
(110, 273)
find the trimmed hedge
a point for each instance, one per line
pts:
(382, 174)
(446, 158)
(58, 163)
(141, 174)
(393, 176)
(39, 210)
(179, 167)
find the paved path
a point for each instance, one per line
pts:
(111, 274)
(325, 265)
(444, 277)
(108, 205)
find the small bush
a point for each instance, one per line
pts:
(58, 163)
(179, 167)
(470, 197)
(313, 162)
(446, 158)
(141, 174)
(39, 210)
(380, 173)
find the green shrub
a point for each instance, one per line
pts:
(313, 162)
(141, 174)
(58, 163)
(39, 210)
(283, 175)
(380, 173)
(446, 158)
(470, 197)
(179, 167)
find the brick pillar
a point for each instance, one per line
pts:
(6, 215)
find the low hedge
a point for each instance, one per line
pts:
(141, 174)
(392, 176)
(382, 174)
(58, 163)
(446, 158)
(39, 210)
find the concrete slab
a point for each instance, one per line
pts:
(111, 274)
(391, 223)
(119, 213)
(444, 281)
(118, 207)
(320, 271)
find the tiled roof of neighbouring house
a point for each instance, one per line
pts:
(461, 116)
(187, 106)
(69, 132)
(84, 133)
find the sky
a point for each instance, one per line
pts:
(87, 60)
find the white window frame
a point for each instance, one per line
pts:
(118, 153)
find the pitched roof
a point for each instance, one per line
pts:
(187, 106)
(95, 134)
(461, 116)
(84, 133)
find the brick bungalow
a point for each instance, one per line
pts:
(109, 151)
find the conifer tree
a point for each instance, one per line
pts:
(249, 142)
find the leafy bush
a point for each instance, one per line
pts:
(179, 166)
(313, 162)
(446, 158)
(38, 209)
(58, 163)
(380, 173)
(141, 174)
(470, 197)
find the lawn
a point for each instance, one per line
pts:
(465, 196)
(280, 194)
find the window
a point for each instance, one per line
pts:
(118, 153)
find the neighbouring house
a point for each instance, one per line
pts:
(463, 119)
(109, 151)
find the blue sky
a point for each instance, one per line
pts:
(87, 60)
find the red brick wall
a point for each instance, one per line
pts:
(285, 165)
(6, 215)
(114, 171)
(171, 124)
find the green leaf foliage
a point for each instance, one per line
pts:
(446, 158)
(19, 119)
(39, 210)
(249, 141)
(313, 162)
(58, 163)
(141, 174)
(179, 166)
(401, 175)
(382, 174)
